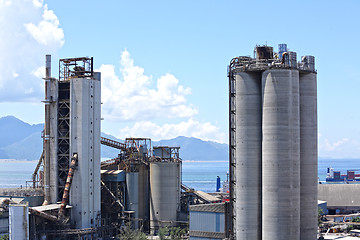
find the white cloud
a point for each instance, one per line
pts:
(28, 31)
(332, 146)
(190, 128)
(47, 32)
(340, 148)
(132, 97)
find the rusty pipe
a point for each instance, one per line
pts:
(43, 215)
(65, 199)
(283, 57)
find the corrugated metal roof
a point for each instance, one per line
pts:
(213, 207)
(112, 172)
(207, 197)
(216, 235)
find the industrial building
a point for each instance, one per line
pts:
(340, 198)
(208, 221)
(73, 194)
(273, 145)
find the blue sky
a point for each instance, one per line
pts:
(164, 62)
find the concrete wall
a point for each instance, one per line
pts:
(85, 115)
(340, 195)
(53, 140)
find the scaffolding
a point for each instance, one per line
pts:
(81, 67)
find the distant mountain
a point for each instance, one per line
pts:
(13, 130)
(22, 141)
(197, 149)
(19, 140)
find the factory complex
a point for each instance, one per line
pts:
(273, 182)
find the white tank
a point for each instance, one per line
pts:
(248, 155)
(308, 156)
(280, 155)
(18, 222)
(164, 193)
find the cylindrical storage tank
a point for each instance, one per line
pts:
(280, 155)
(308, 155)
(132, 196)
(248, 155)
(19, 222)
(164, 193)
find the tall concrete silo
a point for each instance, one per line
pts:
(280, 154)
(247, 101)
(164, 193)
(85, 115)
(308, 155)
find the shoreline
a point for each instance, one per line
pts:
(18, 161)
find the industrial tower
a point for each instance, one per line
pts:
(273, 145)
(72, 128)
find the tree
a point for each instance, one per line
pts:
(128, 233)
(173, 233)
(176, 233)
(4, 237)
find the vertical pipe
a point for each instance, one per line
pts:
(248, 156)
(280, 155)
(47, 130)
(308, 156)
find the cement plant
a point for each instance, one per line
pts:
(273, 191)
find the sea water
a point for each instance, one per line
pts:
(200, 175)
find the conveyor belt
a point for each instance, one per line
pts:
(202, 195)
(112, 143)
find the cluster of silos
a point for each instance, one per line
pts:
(153, 190)
(273, 146)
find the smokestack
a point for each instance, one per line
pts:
(47, 130)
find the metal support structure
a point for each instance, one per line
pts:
(112, 143)
(81, 67)
(232, 165)
(63, 145)
(112, 195)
